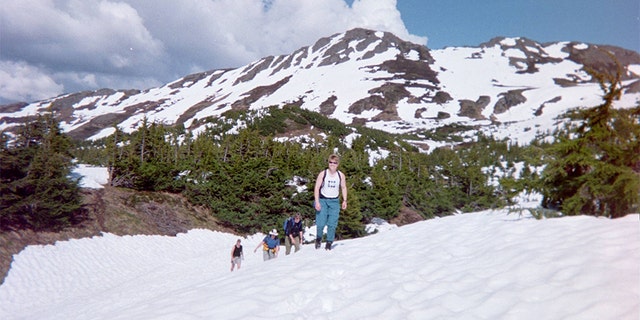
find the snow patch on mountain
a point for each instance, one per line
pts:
(510, 88)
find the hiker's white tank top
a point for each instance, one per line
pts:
(331, 185)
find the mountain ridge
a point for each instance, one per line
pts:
(372, 78)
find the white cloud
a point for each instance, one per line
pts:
(116, 43)
(20, 81)
(381, 15)
(80, 79)
(77, 35)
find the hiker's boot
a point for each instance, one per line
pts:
(317, 243)
(327, 246)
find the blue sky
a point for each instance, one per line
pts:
(48, 48)
(471, 22)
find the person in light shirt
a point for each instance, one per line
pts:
(330, 183)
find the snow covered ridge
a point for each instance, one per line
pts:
(484, 265)
(508, 87)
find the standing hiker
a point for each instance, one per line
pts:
(326, 193)
(270, 246)
(293, 233)
(236, 255)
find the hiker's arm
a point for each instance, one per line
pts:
(259, 244)
(343, 185)
(316, 191)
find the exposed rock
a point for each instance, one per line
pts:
(541, 108)
(602, 58)
(97, 124)
(283, 62)
(634, 87)
(443, 115)
(565, 83)
(258, 92)
(387, 103)
(473, 109)
(509, 99)
(191, 112)
(406, 216)
(13, 107)
(385, 99)
(392, 92)
(442, 97)
(251, 70)
(359, 121)
(328, 106)
(190, 80)
(368, 103)
(533, 51)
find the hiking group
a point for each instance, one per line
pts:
(330, 185)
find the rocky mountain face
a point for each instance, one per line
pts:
(507, 87)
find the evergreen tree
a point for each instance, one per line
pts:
(595, 166)
(425, 194)
(37, 191)
(385, 192)
(350, 222)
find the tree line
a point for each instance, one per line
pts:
(36, 188)
(253, 178)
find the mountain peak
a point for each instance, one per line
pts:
(370, 78)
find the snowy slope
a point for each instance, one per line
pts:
(485, 265)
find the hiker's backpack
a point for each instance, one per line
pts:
(286, 223)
